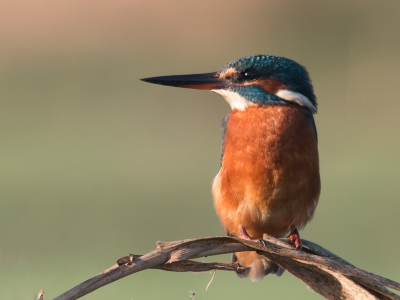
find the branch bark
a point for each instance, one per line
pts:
(324, 272)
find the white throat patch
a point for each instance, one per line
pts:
(234, 99)
(298, 98)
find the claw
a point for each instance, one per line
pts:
(244, 235)
(294, 237)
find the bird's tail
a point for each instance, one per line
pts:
(257, 266)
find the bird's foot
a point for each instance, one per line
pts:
(244, 235)
(294, 237)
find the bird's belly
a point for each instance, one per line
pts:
(260, 209)
(269, 179)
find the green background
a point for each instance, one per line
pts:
(95, 164)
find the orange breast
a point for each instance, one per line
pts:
(269, 179)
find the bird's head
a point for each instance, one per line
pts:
(253, 80)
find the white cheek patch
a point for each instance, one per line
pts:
(298, 98)
(234, 99)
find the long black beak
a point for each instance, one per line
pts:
(206, 81)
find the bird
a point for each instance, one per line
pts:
(269, 179)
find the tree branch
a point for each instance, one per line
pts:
(324, 272)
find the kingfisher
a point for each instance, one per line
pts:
(269, 178)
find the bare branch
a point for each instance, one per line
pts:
(323, 271)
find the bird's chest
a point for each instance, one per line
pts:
(261, 140)
(269, 164)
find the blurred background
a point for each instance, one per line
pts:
(95, 164)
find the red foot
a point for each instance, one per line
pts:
(244, 235)
(294, 237)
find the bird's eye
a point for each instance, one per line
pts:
(249, 75)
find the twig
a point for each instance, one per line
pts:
(40, 295)
(323, 271)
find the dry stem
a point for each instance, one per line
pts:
(324, 272)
